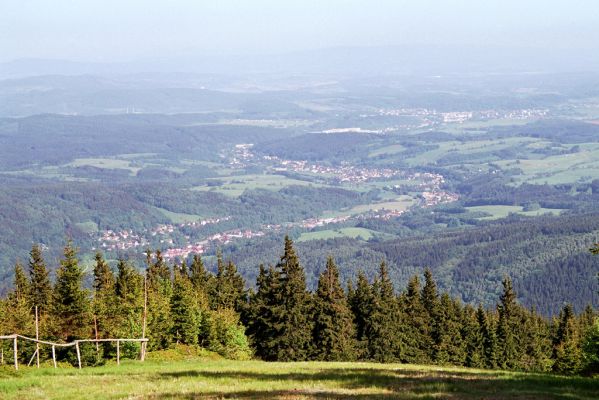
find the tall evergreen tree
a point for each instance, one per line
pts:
(449, 346)
(265, 304)
(566, 345)
(487, 330)
(130, 296)
(184, 311)
(473, 337)
(507, 327)
(418, 339)
(228, 290)
(361, 301)
(384, 330)
(40, 287)
(21, 285)
(294, 321)
(334, 334)
(104, 302)
(71, 303)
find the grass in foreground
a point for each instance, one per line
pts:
(220, 379)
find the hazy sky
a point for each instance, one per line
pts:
(124, 30)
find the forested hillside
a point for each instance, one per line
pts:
(283, 321)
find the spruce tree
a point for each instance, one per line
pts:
(385, 328)
(567, 353)
(449, 346)
(40, 287)
(71, 303)
(361, 301)
(263, 328)
(487, 330)
(104, 302)
(18, 318)
(21, 285)
(418, 339)
(293, 319)
(473, 337)
(507, 327)
(334, 334)
(228, 290)
(130, 296)
(184, 311)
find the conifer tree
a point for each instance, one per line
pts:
(265, 305)
(130, 296)
(18, 318)
(40, 287)
(473, 337)
(449, 347)
(507, 327)
(228, 290)
(200, 278)
(418, 339)
(71, 303)
(21, 285)
(487, 330)
(566, 345)
(360, 302)
(160, 289)
(535, 342)
(334, 334)
(293, 318)
(430, 302)
(104, 301)
(384, 330)
(184, 311)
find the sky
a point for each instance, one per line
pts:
(128, 30)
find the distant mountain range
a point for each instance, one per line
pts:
(412, 60)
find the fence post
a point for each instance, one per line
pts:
(54, 355)
(37, 337)
(78, 353)
(15, 354)
(118, 352)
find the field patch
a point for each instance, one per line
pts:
(355, 233)
(218, 379)
(499, 211)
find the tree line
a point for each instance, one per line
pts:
(280, 320)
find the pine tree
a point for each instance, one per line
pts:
(200, 278)
(71, 303)
(104, 302)
(430, 301)
(473, 337)
(507, 327)
(21, 284)
(567, 353)
(184, 311)
(265, 305)
(130, 296)
(535, 341)
(293, 320)
(229, 288)
(418, 339)
(449, 346)
(40, 287)
(18, 318)
(334, 334)
(361, 302)
(384, 330)
(487, 330)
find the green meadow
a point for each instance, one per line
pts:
(220, 379)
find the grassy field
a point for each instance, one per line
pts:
(234, 186)
(179, 218)
(363, 233)
(218, 379)
(503, 211)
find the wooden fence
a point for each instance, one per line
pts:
(15, 337)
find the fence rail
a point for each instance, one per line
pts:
(15, 337)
